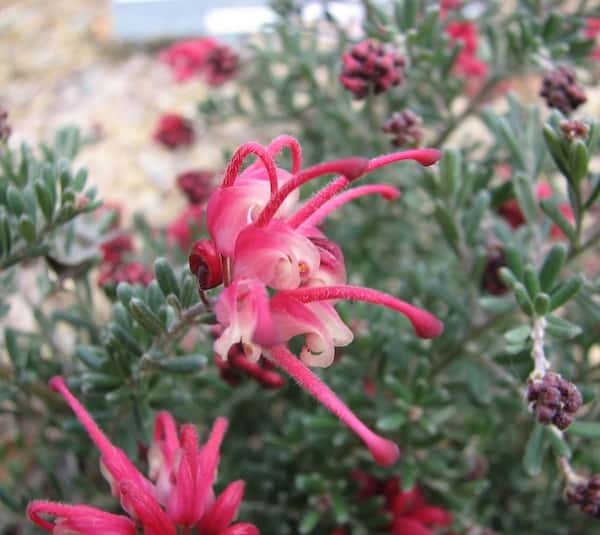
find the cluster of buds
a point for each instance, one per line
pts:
(406, 128)
(282, 275)
(410, 512)
(561, 91)
(196, 185)
(586, 495)
(371, 67)
(222, 64)
(554, 400)
(204, 56)
(174, 131)
(5, 129)
(177, 496)
(573, 129)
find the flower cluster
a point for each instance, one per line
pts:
(411, 514)
(406, 128)
(174, 131)
(205, 56)
(554, 400)
(196, 185)
(178, 493)
(115, 266)
(561, 90)
(592, 31)
(467, 62)
(282, 275)
(512, 214)
(371, 66)
(586, 495)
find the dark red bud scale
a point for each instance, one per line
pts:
(205, 264)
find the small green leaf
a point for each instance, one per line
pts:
(524, 192)
(557, 443)
(27, 228)
(552, 266)
(309, 521)
(183, 364)
(391, 422)
(561, 328)
(585, 429)
(541, 304)
(93, 357)
(44, 200)
(166, 277)
(143, 314)
(551, 209)
(531, 281)
(518, 335)
(565, 292)
(534, 451)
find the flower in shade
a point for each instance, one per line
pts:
(221, 65)
(178, 492)
(182, 230)
(512, 214)
(196, 185)
(283, 276)
(174, 131)
(411, 514)
(371, 66)
(187, 58)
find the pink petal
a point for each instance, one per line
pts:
(432, 516)
(161, 456)
(241, 529)
(406, 526)
(223, 510)
(147, 510)
(78, 519)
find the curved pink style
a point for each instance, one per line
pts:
(238, 158)
(389, 193)
(385, 452)
(290, 142)
(425, 324)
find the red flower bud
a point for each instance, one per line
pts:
(205, 264)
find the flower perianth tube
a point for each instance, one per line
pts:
(425, 157)
(116, 463)
(385, 452)
(351, 168)
(389, 193)
(425, 324)
(290, 142)
(238, 158)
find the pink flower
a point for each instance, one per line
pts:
(182, 230)
(221, 65)
(263, 239)
(467, 62)
(237, 366)
(188, 58)
(196, 185)
(174, 131)
(592, 30)
(132, 272)
(178, 492)
(511, 211)
(115, 248)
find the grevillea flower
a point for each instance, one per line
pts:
(411, 514)
(182, 230)
(115, 248)
(221, 65)
(467, 62)
(174, 131)
(187, 58)
(177, 494)
(283, 276)
(592, 30)
(196, 185)
(511, 211)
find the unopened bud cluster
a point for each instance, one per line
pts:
(561, 90)
(587, 496)
(371, 66)
(554, 400)
(406, 128)
(574, 129)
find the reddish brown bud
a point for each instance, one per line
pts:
(406, 128)
(554, 400)
(561, 91)
(205, 264)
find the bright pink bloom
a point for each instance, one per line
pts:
(178, 493)
(467, 62)
(592, 30)
(188, 58)
(174, 131)
(182, 230)
(266, 240)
